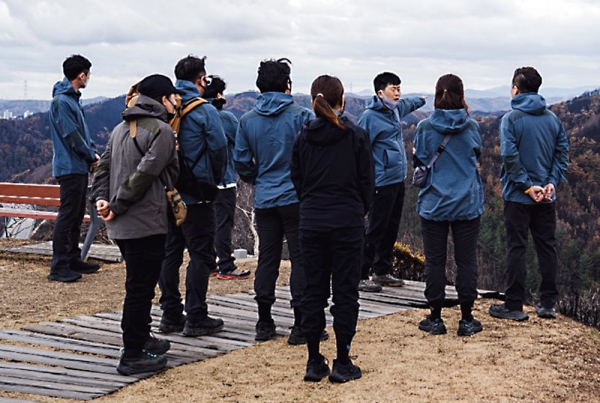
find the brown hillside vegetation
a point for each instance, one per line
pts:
(536, 361)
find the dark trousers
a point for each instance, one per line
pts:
(225, 210)
(540, 219)
(197, 233)
(384, 221)
(334, 255)
(435, 241)
(143, 258)
(272, 224)
(67, 229)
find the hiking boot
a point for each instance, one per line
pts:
(213, 273)
(156, 346)
(235, 274)
(145, 362)
(316, 369)
(171, 324)
(265, 331)
(502, 312)
(83, 267)
(343, 373)
(203, 327)
(543, 312)
(368, 286)
(64, 275)
(469, 328)
(433, 326)
(297, 337)
(387, 280)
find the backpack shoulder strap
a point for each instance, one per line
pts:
(191, 104)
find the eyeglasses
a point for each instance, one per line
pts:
(208, 80)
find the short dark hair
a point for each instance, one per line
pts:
(449, 93)
(217, 86)
(274, 75)
(75, 65)
(384, 79)
(190, 68)
(527, 79)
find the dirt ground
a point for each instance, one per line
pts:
(535, 361)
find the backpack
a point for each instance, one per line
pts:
(187, 182)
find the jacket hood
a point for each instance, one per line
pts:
(530, 102)
(323, 133)
(65, 87)
(449, 121)
(145, 107)
(376, 104)
(190, 89)
(272, 103)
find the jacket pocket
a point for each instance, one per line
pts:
(391, 158)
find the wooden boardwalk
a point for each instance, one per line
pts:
(76, 358)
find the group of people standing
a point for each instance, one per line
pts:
(315, 175)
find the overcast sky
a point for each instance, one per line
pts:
(482, 41)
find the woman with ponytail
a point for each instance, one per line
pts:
(452, 199)
(332, 172)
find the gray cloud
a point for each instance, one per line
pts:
(483, 41)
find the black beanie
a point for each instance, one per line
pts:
(157, 86)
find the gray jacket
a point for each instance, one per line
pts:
(135, 184)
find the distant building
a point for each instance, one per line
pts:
(7, 115)
(26, 114)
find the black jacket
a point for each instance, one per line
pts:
(332, 171)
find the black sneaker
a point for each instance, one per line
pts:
(297, 337)
(171, 324)
(316, 369)
(83, 267)
(156, 346)
(435, 326)
(388, 280)
(368, 286)
(64, 275)
(204, 327)
(265, 331)
(543, 312)
(502, 312)
(343, 373)
(145, 362)
(469, 328)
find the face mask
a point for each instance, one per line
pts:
(170, 116)
(389, 103)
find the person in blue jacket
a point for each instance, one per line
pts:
(75, 156)
(381, 120)
(332, 172)
(451, 200)
(201, 138)
(262, 156)
(535, 156)
(226, 197)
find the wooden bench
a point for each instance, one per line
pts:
(47, 196)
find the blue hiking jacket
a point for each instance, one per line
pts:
(534, 148)
(263, 148)
(454, 190)
(385, 133)
(201, 131)
(230, 125)
(74, 150)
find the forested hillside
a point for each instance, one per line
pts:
(26, 153)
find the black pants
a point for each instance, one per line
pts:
(225, 208)
(143, 258)
(435, 241)
(384, 221)
(334, 255)
(272, 224)
(197, 233)
(540, 219)
(67, 229)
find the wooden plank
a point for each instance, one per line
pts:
(115, 378)
(29, 189)
(9, 387)
(33, 380)
(59, 342)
